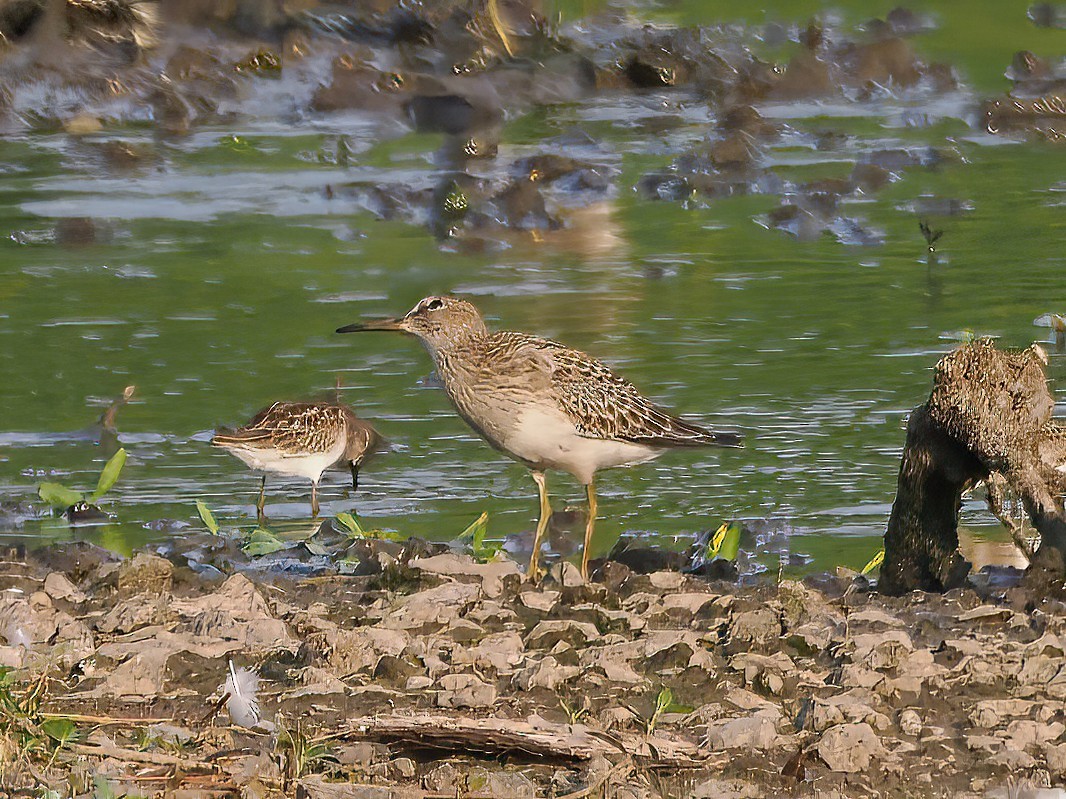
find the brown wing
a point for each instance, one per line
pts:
(604, 405)
(291, 427)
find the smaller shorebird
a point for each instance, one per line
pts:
(542, 403)
(300, 439)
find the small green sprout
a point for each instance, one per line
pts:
(481, 549)
(60, 497)
(725, 543)
(875, 562)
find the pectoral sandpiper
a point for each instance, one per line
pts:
(544, 404)
(300, 439)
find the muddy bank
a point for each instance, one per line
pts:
(442, 676)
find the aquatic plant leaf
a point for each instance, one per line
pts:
(109, 475)
(475, 533)
(731, 543)
(875, 562)
(62, 731)
(58, 495)
(725, 543)
(207, 517)
(351, 524)
(262, 542)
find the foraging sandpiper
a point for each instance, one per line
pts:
(544, 404)
(300, 439)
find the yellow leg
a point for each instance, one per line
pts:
(590, 525)
(314, 500)
(260, 516)
(542, 524)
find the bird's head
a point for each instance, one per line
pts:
(438, 321)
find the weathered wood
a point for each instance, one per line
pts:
(492, 736)
(988, 418)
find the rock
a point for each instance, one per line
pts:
(754, 629)
(465, 690)
(360, 650)
(12, 657)
(316, 682)
(849, 747)
(765, 673)
(548, 633)
(884, 650)
(491, 574)
(458, 779)
(990, 713)
(539, 600)
(58, 586)
(134, 613)
(429, 610)
(545, 673)
(1055, 755)
(500, 652)
(143, 675)
(148, 574)
(910, 723)
(668, 581)
(751, 733)
(1024, 735)
(256, 633)
(566, 574)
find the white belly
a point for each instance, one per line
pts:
(547, 439)
(308, 466)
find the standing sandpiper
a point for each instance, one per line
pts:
(300, 439)
(544, 404)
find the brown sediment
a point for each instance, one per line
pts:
(437, 674)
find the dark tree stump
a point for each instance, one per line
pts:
(988, 416)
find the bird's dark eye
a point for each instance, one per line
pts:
(435, 304)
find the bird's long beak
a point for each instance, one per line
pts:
(374, 324)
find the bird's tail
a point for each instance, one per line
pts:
(725, 439)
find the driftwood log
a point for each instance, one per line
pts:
(492, 736)
(988, 418)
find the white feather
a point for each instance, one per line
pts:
(243, 706)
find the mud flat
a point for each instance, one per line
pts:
(433, 675)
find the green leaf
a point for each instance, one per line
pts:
(677, 707)
(262, 542)
(351, 524)
(731, 543)
(664, 700)
(62, 731)
(109, 474)
(207, 517)
(716, 540)
(875, 562)
(58, 495)
(475, 532)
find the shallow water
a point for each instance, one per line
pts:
(221, 265)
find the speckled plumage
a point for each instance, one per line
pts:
(544, 404)
(301, 439)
